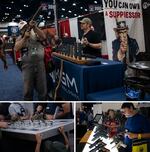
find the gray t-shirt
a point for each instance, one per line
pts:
(21, 109)
(35, 51)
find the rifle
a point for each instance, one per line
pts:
(28, 29)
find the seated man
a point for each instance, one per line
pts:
(20, 111)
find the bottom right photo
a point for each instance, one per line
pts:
(113, 127)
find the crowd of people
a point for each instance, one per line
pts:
(128, 123)
(35, 47)
(30, 111)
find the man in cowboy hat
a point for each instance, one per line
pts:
(90, 40)
(125, 48)
(33, 67)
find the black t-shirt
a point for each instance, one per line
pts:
(92, 37)
(51, 109)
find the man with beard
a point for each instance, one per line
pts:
(91, 40)
(33, 67)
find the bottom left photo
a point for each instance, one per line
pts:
(37, 127)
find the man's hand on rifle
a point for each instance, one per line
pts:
(27, 34)
(32, 24)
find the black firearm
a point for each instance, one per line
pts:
(29, 27)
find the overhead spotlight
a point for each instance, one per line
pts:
(70, 11)
(25, 5)
(81, 7)
(18, 15)
(62, 15)
(86, 10)
(74, 4)
(95, 2)
(20, 10)
(12, 2)
(75, 14)
(63, 9)
(65, 0)
(7, 14)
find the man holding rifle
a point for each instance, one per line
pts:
(33, 67)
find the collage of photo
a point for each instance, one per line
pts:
(74, 76)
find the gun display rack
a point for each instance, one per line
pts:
(76, 59)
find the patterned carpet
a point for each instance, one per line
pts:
(11, 85)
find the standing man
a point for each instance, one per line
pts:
(91, 40)
(2, 55)
(137, 126)
(33, 68)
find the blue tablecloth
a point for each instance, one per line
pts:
(80, 80)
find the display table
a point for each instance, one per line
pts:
(141, 80)
(141, 66)
(106, 141)
(80, 80)
(86, 137)
(99, 141)
(27, 131)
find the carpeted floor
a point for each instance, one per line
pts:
(11, 85)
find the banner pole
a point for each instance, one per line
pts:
(55, 16)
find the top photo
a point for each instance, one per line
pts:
(73, 50)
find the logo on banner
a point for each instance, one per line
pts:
(69, 82)
(146, 5)
(93, 8)
(14, 29)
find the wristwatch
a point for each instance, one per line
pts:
(139, 136)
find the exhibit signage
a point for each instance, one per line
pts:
(128, 11)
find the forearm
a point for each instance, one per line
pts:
(37, 148)
(66, 139)
(20, 44)
(143, 136)
(147, 135)
(39, 141)
(95, 45)
(139, 135)
(40, 33)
